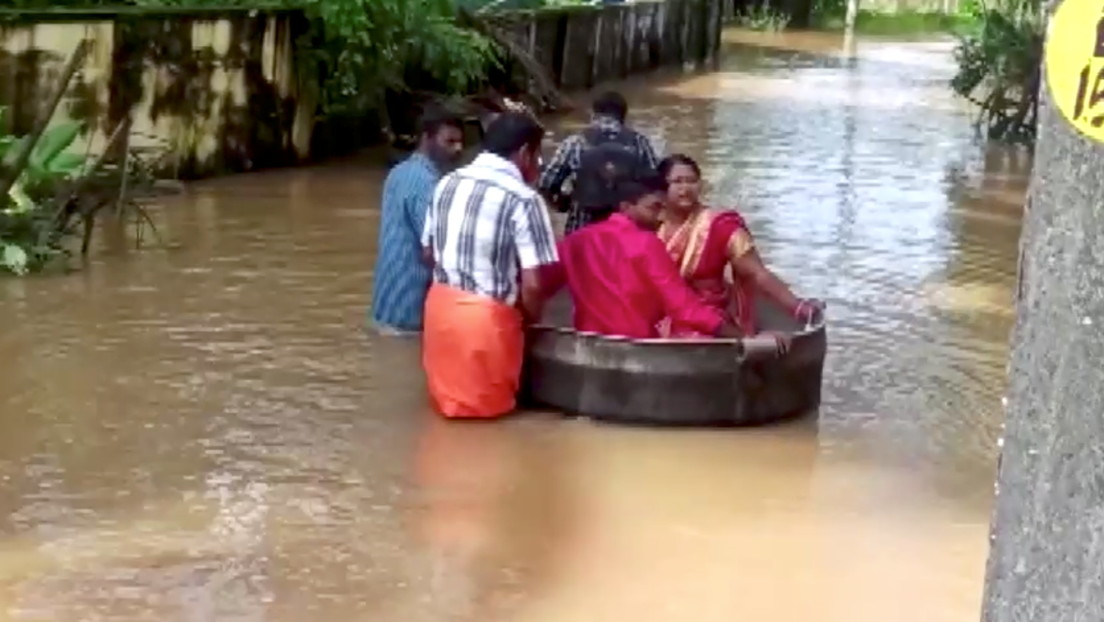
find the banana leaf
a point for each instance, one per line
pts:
(55, 140)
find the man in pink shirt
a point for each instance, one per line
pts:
(622, 280)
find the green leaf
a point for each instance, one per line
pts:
(66, 164)
(14, 258)
(18, 194)
(9, 156)
(54, 141)
(6, 143)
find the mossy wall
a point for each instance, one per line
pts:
(220, 89)
(584, 46)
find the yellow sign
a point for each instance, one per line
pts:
(1075, 64)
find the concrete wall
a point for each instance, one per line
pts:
(223, 91)
(583, 46)
(219, 89)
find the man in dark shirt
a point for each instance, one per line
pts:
(607, 127)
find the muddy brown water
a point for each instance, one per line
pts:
(209, 433)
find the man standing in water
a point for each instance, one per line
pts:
(401, 277)
(488, 235)
(579, 157)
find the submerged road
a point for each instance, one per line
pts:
(208, 433)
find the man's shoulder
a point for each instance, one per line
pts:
(578, 236)
(640, 242)
(495, 178)
(525, 192)
(638, 135)
(576, 139)
(614, 242)
(413, 168)
(448, 178)
(600, 233)
(620, 137)
(578, 240)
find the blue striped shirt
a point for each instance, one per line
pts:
(401, 278)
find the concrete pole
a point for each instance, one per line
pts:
(849, 26)
(1047, 557)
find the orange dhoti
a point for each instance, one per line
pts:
(472, 348)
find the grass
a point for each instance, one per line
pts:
(900, 24)
(762, 17)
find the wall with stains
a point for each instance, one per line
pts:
(222, 91)
(584, 46)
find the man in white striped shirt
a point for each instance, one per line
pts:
(487, 234)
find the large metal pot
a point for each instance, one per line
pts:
(673, 381)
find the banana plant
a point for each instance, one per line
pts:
(14, 258)
(33, 170)
(23, 228)
(50, 163)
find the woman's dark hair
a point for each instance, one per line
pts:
(435, 117)
(510, 132)
(668, 163)
(611, 104)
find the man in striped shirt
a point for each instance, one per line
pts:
(487, 235)
(401, 278)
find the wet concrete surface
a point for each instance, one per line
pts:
(209, 432)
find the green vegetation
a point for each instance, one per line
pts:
(513, 5)
(49, 194)
(57, 195)
(763, 17)
(999, 67)
(899, 24)
(830, 15)
(53, 4)
(28, 238)
(366, 47)
(910, 22)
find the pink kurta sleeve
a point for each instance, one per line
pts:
(680, 302)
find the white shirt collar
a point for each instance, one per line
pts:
(487, 159)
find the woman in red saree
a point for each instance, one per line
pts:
(706, 243)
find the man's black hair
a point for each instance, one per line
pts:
(611, 104)
(510, 132)
(435, 117)
(644, 182)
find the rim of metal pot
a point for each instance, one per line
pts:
(660, 341)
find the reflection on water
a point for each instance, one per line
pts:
(207, 433)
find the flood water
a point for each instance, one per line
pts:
(209, 433)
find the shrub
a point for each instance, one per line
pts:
(762, 17)
(999, 67)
